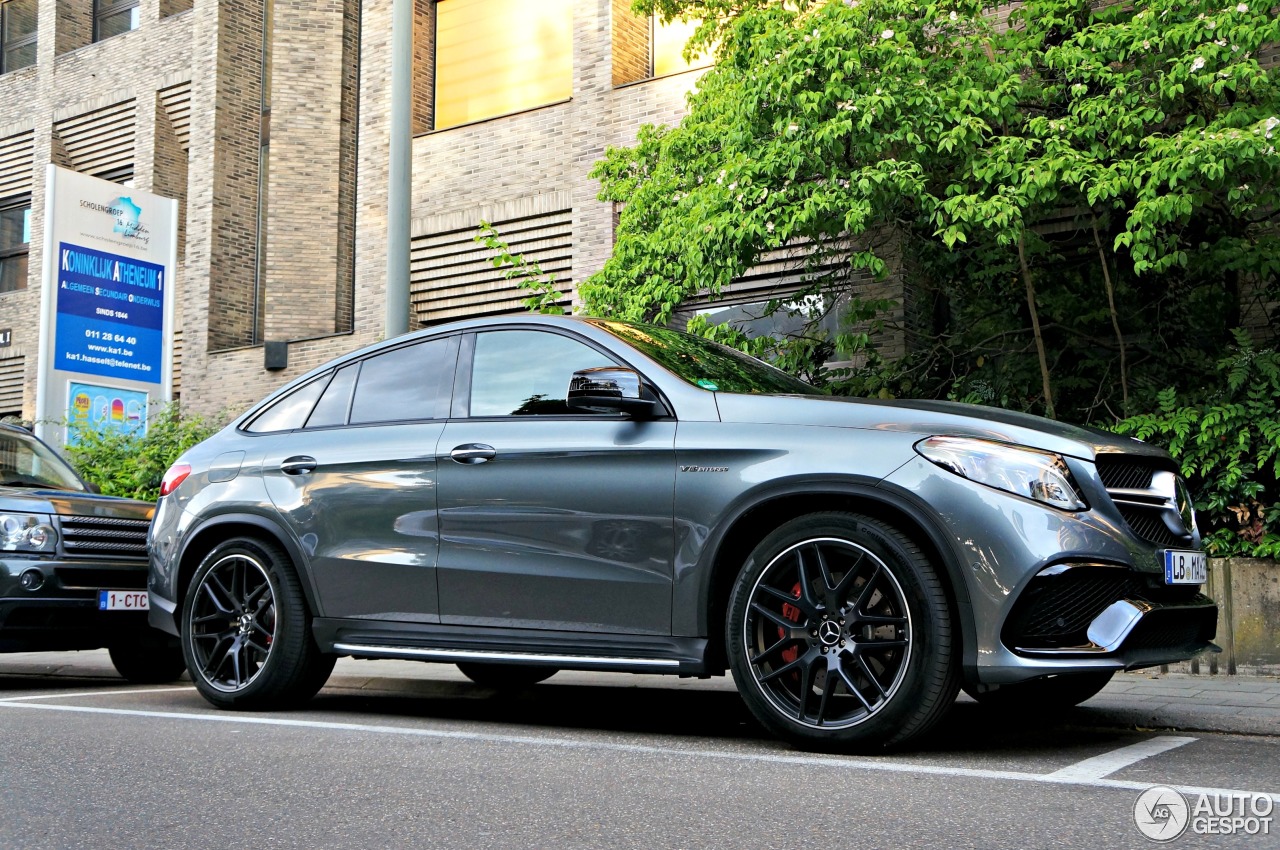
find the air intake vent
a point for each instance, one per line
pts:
(104, 537)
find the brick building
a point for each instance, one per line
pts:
(268, 120)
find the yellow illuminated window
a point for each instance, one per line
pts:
(668, 46)
(494, 57)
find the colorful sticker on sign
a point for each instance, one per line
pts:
(105, 409)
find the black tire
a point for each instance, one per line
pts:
(839, 635)
(1040, 695)
(246, 630)
(505, 676)
(149, 660)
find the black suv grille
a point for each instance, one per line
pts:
(1143, 491)
(1121, 472)
(104, 537)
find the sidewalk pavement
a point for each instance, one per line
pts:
(1146, 699)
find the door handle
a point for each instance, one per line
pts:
(298, 465)
(473, 453)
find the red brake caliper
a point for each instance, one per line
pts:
(792, 613)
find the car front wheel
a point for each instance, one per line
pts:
(246, 631)
(840, 636)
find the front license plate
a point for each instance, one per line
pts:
(1185, 567)
(123, 600)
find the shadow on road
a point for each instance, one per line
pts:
(622, 709)
(700, 714)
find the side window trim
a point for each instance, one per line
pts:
(461, 407)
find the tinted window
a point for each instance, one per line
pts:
(333, 405)
(704, 363)
(291, 411)
(526, 373)
(413, 382)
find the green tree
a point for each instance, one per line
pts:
(1085, 193)
(132, 464)
(1227, 439)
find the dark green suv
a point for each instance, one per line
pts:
(73, 565)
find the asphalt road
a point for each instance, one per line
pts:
(403, 755)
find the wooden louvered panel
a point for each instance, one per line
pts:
(177, 362)
(177, 105)
(779, 272)
(99, 142)
(12, 378)
(452, 277)
(16, 164)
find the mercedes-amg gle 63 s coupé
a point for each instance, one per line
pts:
(521, 495)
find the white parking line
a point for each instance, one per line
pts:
(1108, 763)
(100, 693)
(867, 764)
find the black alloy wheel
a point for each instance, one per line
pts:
(246, 630)
(839, 634)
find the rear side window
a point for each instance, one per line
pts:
(411, 382)
(336, 401)
(290, 412)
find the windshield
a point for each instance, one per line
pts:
(704, 363)
(27, 462)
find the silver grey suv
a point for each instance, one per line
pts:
(518, 496)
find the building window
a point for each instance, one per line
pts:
(15, 243)
(17, 34)
(495, 57)
(112, 17)
(668, 40)
(645, 47)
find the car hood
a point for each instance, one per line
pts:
(71, 503)
(930, 418)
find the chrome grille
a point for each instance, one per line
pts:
(104, 537)
(1143, 490)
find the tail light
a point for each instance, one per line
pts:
(175, 476)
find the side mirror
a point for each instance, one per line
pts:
(609, 389)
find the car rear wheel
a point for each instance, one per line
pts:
(246, 631)
(1055, 692)
(148, 660)
(839, 635)
(506, 676)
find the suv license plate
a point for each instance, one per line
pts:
(1185, 567)
(123, 600)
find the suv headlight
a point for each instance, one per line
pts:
(27, 533)
(1037, 475)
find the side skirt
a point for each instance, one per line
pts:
(682, 656)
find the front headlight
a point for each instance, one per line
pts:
(1042, 476)
(27, 533)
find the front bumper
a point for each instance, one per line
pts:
(60, 612)
(1024, 566)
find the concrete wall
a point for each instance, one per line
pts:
(1247, 591)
